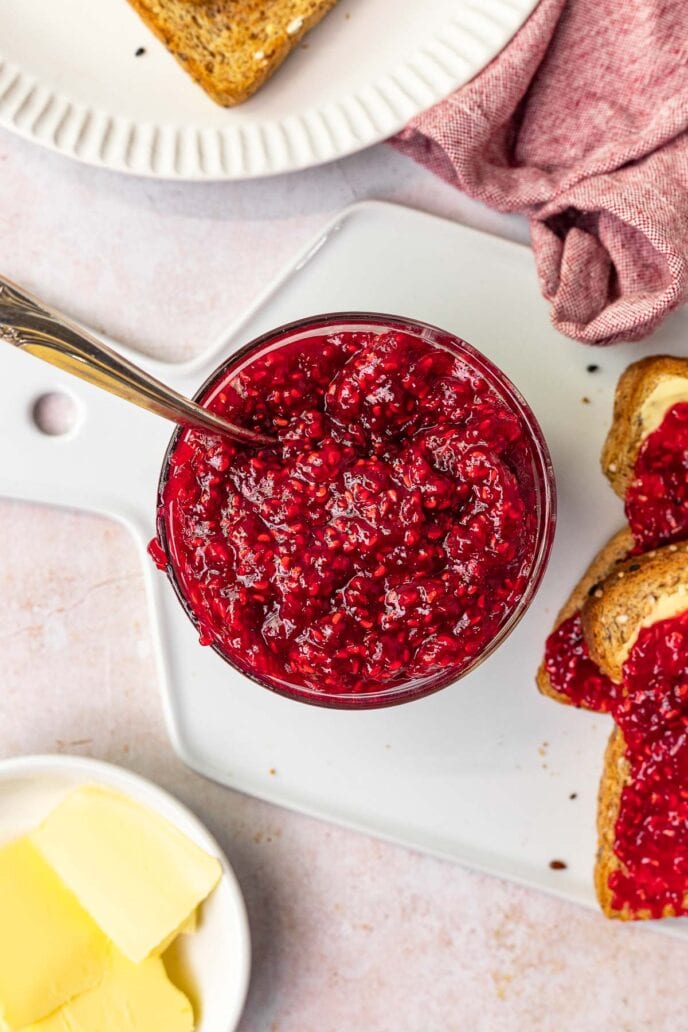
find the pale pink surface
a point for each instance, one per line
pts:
(349, 933)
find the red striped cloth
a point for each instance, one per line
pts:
(581, 123)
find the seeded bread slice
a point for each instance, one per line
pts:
(644, 393)
(641, 591)
(231, 47)
(613, 553)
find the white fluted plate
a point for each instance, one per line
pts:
(70, 80)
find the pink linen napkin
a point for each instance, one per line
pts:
(581, 123)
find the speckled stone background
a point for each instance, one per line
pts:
(349, 933)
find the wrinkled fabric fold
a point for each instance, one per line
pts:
(581, 123)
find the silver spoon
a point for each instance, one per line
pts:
(30, 325)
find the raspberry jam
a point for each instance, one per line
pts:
(383, 544)
(652, 826)
(657, 499)
(573, 673)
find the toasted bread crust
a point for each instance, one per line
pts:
(626, 601)
(620, 594)
(231, 47)
(636, 384)
(614, 778)
(613, 553)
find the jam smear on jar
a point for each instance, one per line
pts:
(657, 498)
(388, 535)
(573, 673)
(651, 835)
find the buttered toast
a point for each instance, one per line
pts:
(643, 801)
(620, 645)
(639, 592)
(644, 394)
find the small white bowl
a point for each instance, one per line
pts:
(212, 965)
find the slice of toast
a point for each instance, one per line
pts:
(613, 553)
(644, 394)
(231, 47)
(639, 592)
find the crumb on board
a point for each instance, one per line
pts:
(573, 795)
(585, 400)
(593, 368)
(139, 52)
(272, 772)
(558, 865)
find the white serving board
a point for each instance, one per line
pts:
(480, 773)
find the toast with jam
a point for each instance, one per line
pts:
(638, 593)
(644, 394)
(567, 674)
(620, 645)
(231, 47)
(636, 626)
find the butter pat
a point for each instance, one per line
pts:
(137, 876)
(188, 927)
(50, 949)
(130, 998)
(670, 391)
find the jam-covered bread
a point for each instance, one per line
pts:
(567, 674)
(640, 592)
(636, 626)
(620, 646)
(646, 391)
(231, 47)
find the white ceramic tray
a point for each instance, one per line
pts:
(482, 772)
(70, 80)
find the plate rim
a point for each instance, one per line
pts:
(360, 118)
(111, 773)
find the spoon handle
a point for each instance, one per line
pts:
(30, 325)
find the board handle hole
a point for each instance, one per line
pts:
(55, 414)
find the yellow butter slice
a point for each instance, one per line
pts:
(50, 949)
(130, 998)
(136, 874)
(187, 927)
